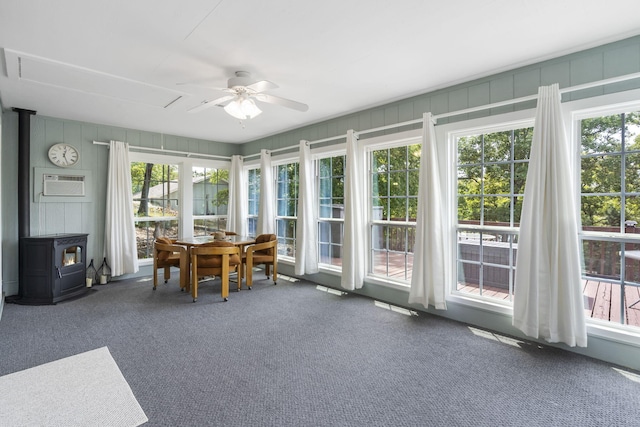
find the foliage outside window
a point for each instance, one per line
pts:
(210, 199)
(287, 208)
(253, 191)
(491, 174)
(155, 203)
(610, 212)
(394, 201)
(331, 209)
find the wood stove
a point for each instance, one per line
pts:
(52, 268)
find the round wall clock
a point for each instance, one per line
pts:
(63, 155)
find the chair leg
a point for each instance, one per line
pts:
(225, 278)
(184, 275)
(155, 277)
(249, 276)
(239, 276)
(194, 280)
(275, 273)
(167, 274)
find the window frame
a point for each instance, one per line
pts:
(389, 141)
(252, 218)
(588, 109)
(209, 165)
(337, 150)
(185, 188)
(572, 110)
(512, 231)
(446, 135)
(282, 240)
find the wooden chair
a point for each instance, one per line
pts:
(167, 254)
(214, 259)
(264, 251)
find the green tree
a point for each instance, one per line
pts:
(395, 175)
(602, 139)
(217, 177)
(487, 186)
(145, 176)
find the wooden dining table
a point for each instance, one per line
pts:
(239, 241)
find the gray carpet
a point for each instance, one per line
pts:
(290, 355)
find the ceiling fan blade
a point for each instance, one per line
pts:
(261, 86)
(209, 104)
(281, 101)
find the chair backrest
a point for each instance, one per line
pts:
(271, 250)
(261, 238)
(163, 252)
(209, 255)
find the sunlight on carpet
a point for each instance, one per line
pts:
(87, 389)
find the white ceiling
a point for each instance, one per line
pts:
(118, 62)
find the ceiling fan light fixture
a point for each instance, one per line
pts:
(242, 108)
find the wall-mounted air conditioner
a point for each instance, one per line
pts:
(63, 185)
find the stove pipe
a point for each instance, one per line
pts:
(24, 153)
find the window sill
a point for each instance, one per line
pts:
(387, 283)
(481, 303)
(613, 332)
(600, 329)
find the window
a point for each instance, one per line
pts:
(253, 192)
(610, 212)
(210, 199)
(287, 208)
(331, 209)
(394, 177)
(155, 203)
(491, 174)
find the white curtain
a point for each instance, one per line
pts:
(237, 213)
(428, 275)
(266, 215)
(355, 228)
(548, 300)
(120, 233)
(306, 229)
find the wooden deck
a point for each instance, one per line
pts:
(601, 300)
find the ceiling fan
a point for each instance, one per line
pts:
(243, 90)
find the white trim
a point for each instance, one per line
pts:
(399, 139)
(484, 303)
(612, 332)
(163, 151)
(613, 103)
(387, 282)
(329, 151)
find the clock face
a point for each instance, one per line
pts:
(63, 155)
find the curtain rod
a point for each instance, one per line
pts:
(163, 151)
(590, 85)
(291, 147)
(492, 105)
(535, 97)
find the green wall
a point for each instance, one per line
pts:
(602, 62)
(71, 214)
